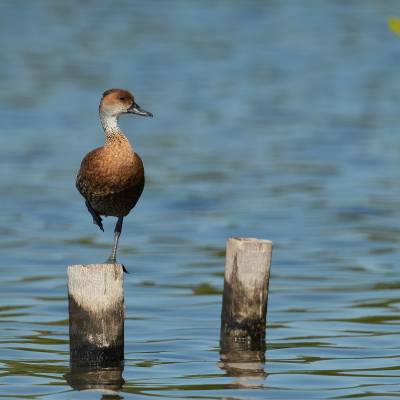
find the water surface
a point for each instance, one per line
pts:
(278, 120)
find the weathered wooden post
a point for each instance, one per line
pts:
(244, 308)
(244, 304)
(96, 315)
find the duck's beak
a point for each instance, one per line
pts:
(136, 109)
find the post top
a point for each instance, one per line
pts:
(96, 265)
(250, 239)
(250, 244)
(96, 287)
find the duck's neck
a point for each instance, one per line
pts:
(112, 131)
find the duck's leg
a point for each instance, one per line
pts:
(117, 232)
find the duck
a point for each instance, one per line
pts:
(111, 178)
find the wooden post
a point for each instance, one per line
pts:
(244, 304)
(96, 315)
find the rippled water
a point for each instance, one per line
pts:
(274, 119)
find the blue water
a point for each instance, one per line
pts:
(273, 119)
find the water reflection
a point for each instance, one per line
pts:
(243, 360)
(104, 378)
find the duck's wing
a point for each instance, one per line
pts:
(111, 181)
(85, 179)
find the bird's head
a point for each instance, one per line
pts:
(119, 101)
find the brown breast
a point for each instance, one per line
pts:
(111, 178)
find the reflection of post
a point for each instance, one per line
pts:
(96, 315)
(243, 361)
(87, 378)
(244, 307)
(244, 304)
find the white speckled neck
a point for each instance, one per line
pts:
(110, 125)
(112, 132)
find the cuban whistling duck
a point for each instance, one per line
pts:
(111, 178)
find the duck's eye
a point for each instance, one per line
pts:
(122, 98)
